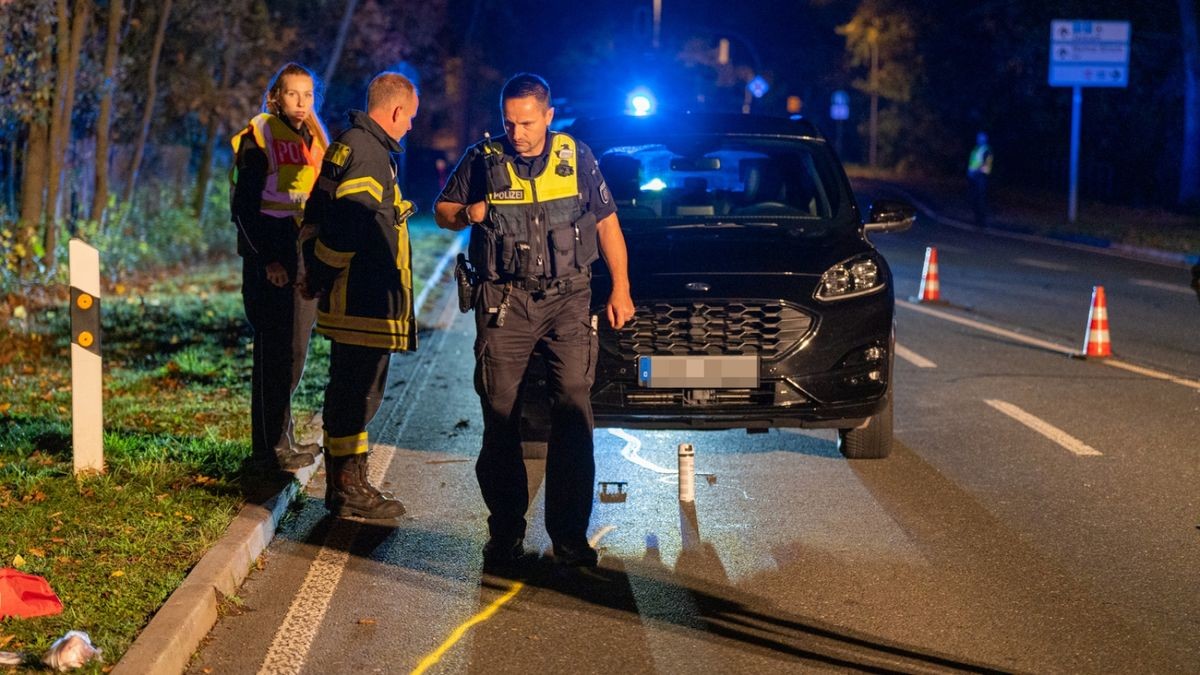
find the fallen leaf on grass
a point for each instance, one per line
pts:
(4, 407)
(18, 561)
(36, 552)
(117, 573)
(367, 621)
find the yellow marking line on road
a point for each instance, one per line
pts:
(1045, 344)
(487, 613)
(1045, 428)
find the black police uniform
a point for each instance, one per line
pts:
(360, 263)
(534, 254)
(282, 320)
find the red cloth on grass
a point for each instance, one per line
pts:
(26, 595)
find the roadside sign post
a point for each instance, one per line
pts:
(1086, 54)
(87, 396)
(839, 111)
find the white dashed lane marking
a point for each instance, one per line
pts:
(1177, 288)
(913, 357)
(1045, 428)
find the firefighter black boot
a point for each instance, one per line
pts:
(348, 492)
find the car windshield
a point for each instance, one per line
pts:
(721, 180)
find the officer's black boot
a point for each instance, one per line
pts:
(349, 493)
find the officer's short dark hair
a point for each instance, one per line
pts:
(526, 84)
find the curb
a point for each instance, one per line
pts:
(1078, 242)
(166, 645)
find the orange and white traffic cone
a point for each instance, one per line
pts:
(1096, 343)
(931, 290)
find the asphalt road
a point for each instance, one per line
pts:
(1038, 514)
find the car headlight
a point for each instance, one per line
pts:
(848, 279)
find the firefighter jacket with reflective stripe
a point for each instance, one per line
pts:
(292, 165)
(981, 160)
(360, 261)
(536, 228)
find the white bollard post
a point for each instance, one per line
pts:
(687, 473)
(87, 397)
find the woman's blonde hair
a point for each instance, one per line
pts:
(271, 99)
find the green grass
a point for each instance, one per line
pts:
(176, 410)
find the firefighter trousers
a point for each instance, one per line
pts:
(559, 327)
(357, 376)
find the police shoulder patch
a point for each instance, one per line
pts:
(337, 154)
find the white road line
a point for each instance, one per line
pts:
(1044, 344)
(294, 638)
(1045, 428)
(296, 633)
(1046, 265)
(1012, 335)
(633, 445)
(913, 357)
(1178, 288)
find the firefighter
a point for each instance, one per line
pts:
(540, 214)
(979, 167)
(359, 264)
(278, 156)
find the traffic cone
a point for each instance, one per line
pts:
(930, 288)
(1096, 342)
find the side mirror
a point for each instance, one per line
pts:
(890, 215)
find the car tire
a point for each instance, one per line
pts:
(870, 441)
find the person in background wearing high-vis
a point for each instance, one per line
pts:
(360, 266)
(979, 167)
(277, 158)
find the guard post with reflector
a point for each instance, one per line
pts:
(87, 397)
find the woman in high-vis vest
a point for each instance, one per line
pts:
(277, 159)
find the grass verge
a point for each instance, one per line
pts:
(176, 388)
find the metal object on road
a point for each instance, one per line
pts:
(618, 494)
(687, 472)
(87, 395)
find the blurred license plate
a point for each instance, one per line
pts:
(698, 372)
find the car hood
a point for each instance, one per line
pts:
(739, 250)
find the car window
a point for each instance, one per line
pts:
(720, 178)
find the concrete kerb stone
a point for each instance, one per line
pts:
(166, 645)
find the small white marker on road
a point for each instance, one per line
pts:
(1045, 428)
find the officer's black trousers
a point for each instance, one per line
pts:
(283, 323)
(356, 379)
(559, 326)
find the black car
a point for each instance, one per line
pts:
(760, 302)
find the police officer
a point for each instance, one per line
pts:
(278, 156)
(539, 214)
(360, 265)
(979, 167)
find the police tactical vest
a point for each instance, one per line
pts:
(536, 228)
(292, 167)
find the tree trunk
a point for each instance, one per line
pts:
(1189, 164)
(62, 48)
(79, 26)
(104, 122)
(37, 152)
(139, 147)
(214, 120)
(335, 54)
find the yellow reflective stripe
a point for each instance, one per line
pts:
(395, 343)
(344, 446)
(363, 324)
(548, 186)
(356, 185)
(338, 259)
(337, 295)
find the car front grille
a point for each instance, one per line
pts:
(712, 327)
